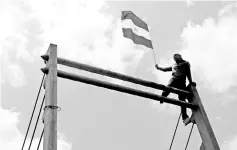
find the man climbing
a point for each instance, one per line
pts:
(180, 70)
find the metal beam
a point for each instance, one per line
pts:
(120, 88)
(123, 77)
(50, 115)
(209, 141)
(202, 147)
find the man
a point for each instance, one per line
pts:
(180, 70)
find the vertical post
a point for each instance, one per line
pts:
(202, 147)
(50, 113)
(204, 127)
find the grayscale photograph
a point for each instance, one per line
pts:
(118, 75)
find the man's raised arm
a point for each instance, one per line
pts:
(163, 69)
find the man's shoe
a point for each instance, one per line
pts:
(187, 121)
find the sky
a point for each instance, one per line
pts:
(89, 31)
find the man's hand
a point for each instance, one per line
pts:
(157, 67)
(163, 69)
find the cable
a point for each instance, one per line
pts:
(40, 139)
(32, 113)
(189, 137)
(36, 123)
(174, 132)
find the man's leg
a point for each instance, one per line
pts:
(185, 116)
(184, 111)
(165, 94)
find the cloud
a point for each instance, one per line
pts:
(81, 29)
(12, 73)
(16, 75)
(12, 139)
(1, 81)
(211, 50)
(13, 42)
(190, 2)
(228, 10)
(94, 38)
(230, 145)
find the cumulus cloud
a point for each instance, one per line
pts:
(1, 81)
(16, 75)
(94, 38)
(211, 50)
(13, 42)
(230, 145)
(14, 33)
(81, 29)
(12, 139)
(228, 10)
(12, 73)
(190, 2)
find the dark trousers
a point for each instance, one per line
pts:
(179, 85)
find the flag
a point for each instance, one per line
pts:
(135, 29)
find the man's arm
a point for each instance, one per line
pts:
(163, 69)
(183, 63)
(189, 76)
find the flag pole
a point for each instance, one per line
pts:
(154, 55)
(152, 46)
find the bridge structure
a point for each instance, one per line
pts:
(199, 116)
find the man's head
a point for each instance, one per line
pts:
(178, 58)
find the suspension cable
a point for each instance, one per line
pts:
(33, 113)
(189, 137)
(175, 132)
(36, 123)
(40, 139)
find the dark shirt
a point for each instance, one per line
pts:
(179, 72)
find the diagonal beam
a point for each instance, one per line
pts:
(120, 88)
(209, 141)
(123, 77)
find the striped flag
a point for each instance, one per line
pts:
(135, 29)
